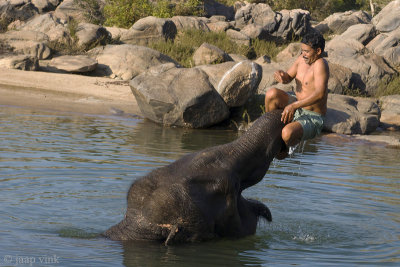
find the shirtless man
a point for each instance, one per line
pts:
(303, 114)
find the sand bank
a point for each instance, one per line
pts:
(65, 92)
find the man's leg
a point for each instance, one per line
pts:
(292, 133)
(276, 99)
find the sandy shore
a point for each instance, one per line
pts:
(65, 92)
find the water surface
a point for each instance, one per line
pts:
(64, 179)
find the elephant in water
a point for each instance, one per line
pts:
(199, 196)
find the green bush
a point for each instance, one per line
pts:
(123, 13)
(186, 43)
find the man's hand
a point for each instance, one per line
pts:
(279, 76)
(288, 114)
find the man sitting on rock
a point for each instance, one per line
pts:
(303, 113)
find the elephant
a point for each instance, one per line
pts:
(199, 196)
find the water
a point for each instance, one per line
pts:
(64, 179)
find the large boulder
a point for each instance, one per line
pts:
(209, 54)
(80, 10)
(21, 62)
(16, 10)
(47, 23)
(388, 18)
(362, 33)
(351, 115)
(387, 45)
(368, 68)
(150, 29)
(90, 35)
(235, 82)
(339, 78)
(184, 23)
(71, 64)
(260, 21)
(127, 61)
(268, 81)
(178, 96)
(390, 109)
(341, 21)
(31, 43)
(45, 5)
(238, 37)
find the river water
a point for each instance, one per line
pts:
(64, 179)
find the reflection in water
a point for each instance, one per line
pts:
(64, 179)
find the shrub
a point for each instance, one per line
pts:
(123, 13)
(186, 43)
(390, 86)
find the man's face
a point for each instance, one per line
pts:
(309, 54)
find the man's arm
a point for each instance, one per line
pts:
(286, 77)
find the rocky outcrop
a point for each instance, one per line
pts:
(368, 68)
(178, 96)
(127, 61)
(260, 21)
(21, 62)
(149, 29)
(235, 82)
(341, 21)
(390, 109)
(387, 45)
(70, 64)
(387, 19)
(209, 54)
(30, 43)
(184, 23)
(351, 115)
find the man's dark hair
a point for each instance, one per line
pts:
(315, 40)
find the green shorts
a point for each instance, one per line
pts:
(312, 122)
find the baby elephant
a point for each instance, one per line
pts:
(199, 196)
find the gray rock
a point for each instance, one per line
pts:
(363, 33)
(21, 62)
(390, 109)
(238, 37)
(268, 80)
(127, 61)
(79, 11)
(388, 18)
(351, 115)
(209, 54)
(387, 45)
(293, 23)
(45, 5)
(341, 21)
(184, 23)
(339, 78)
(116, 32)
(49, 24)
(235, 82)
(178, 97)
(368, 68)
(291, 51)
(219, 26)
(259, 14)
(27, 42)
(90, 35)
(71, 64)
(150, 29)
(260, 21)
(17, 10)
